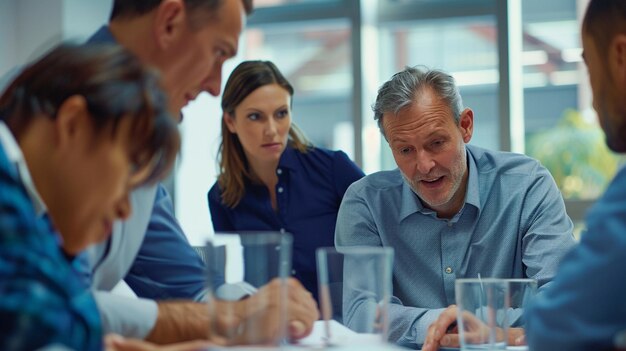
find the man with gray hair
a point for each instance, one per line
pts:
(450, 210)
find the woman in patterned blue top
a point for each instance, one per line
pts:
(271, 177)
(79, 129)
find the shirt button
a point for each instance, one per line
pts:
(449, 224)
(448, 270)
(293, 272)
(282, 230)
(279, 171)
(280, 189)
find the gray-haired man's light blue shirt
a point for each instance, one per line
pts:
(513, 224)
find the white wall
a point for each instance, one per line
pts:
(39, 27)
(8, 26)
(28, 28)
(81, 18)
(197, 170)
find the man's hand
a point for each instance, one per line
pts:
(256, 319)
(444, 331)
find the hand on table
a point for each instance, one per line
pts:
(255, 320)
(444, 331)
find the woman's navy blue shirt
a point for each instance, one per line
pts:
(308, 194)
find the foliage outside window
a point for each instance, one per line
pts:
(575, 152)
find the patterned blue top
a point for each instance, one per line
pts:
(513, 224)
(585, 307)
(42, 300)
(308, 194)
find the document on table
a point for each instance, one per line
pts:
(342, 339)
(339, 333)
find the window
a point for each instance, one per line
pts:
(529, 93)
(462, 46)
(561, 128)
(316, 58)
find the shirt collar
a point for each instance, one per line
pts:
(288, 159)
(411, 202)
(16, 157)
(103, 35)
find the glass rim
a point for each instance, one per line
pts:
(479, 280)
(358, 250)
(520, 280)
(495, 280)
(254, 237)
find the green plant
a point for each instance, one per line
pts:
(574, 151)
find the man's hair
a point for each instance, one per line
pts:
(403, 88)
(603, 20)
(115, 86)
(134, 8)
(247, 77)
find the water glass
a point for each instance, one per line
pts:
(481, 317)
(247, 287)
(355, 290)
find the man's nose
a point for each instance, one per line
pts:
(424, 163)
(213, 83)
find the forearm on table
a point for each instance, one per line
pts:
(180, 321)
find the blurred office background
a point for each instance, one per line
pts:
(518, 64)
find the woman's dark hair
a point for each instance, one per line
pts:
(115, 86)
(233, 165)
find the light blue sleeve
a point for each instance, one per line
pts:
(547, 229)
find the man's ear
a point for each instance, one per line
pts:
(466, 124)
(617, 59)
(72, 122)
(169, 19)
(229, 120)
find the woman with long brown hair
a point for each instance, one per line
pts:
(271, 177)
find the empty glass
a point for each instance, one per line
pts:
(520, 294)
(481, 317)
(247, 287)
(355, 290)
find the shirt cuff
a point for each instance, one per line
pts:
(127, 316)
(421, 327)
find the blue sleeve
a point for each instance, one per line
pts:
(219, 211)
(41, 301)
(166, 266)
(548, 231)
(346, 172)
(585, 306)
